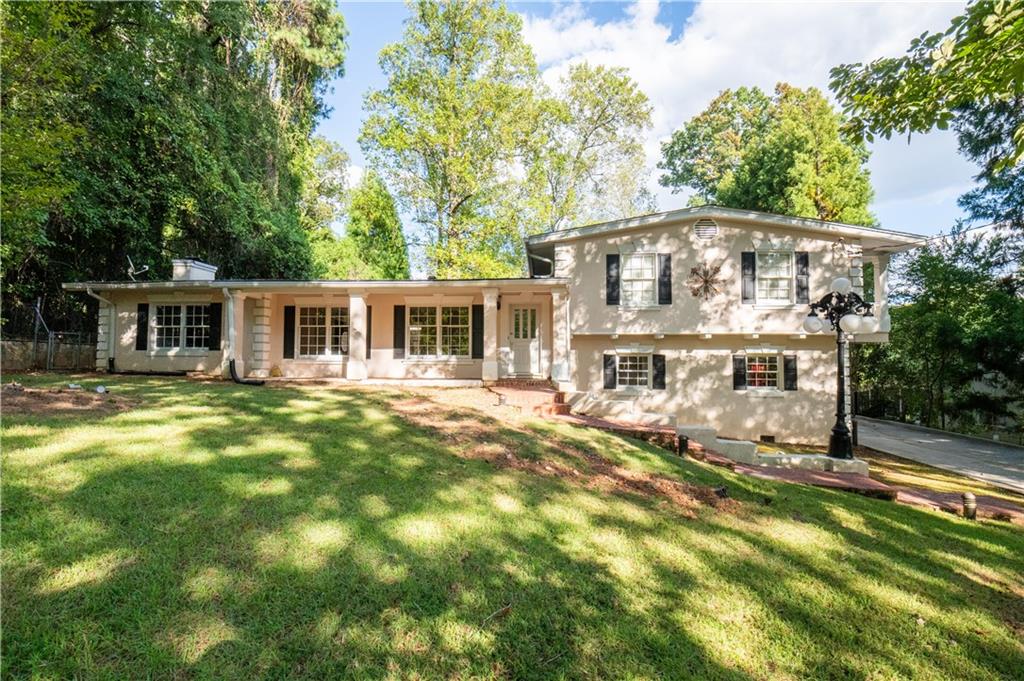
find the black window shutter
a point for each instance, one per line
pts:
(739, 372)
(803, 276)
(215, 315)
(664, 279)
(141, 327)
(369, 330)
(289, 332)
(610, 377)
(658, 372)
(611, 279)
(749, 270)
(478, 332)
(789, 372)
(398, 337)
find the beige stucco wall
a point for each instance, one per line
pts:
(699, 385)
(127, 358)
(582, 261)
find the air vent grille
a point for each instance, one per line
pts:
(705, 229)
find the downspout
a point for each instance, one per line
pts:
(230, 314)
(110, 333)
(549, 261)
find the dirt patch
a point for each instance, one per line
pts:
(17, 399)
(478, 428)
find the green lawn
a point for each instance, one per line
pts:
(223, 531)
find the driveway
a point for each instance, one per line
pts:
(994, 463)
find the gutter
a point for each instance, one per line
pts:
(112, 330)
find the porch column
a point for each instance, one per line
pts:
(490, 363)
(236, 331)
(261, 338)
(881, 285)
(105, 338)
(560, 337)
(356, 336)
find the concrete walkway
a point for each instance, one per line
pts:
(997, 464)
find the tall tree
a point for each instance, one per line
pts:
(376, 230)
(590, 163)
(447, 130)
(190, 123)
(976, 62)
(782, 154)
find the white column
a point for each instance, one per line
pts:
(490, 363)
(357, 336)
(560, 336)
(237, 322)
(104, 335)
(882, 285)
(261, 338)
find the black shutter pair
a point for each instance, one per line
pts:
(611, 378)
(748, 285)
(739, 372)
(613, 277)
(215, 311)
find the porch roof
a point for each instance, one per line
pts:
(288, 286)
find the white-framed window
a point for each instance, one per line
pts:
(422, 331)
(455, 331)
(764, 371)
(181, 326)
(634, 371)
(167, 324)
(197, 326)
(639, 279)
(339, 331)
(774, 276)
(322, 331)
(438, 331)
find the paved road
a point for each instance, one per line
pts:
(995, 463)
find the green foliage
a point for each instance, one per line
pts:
(179, 129)
(986, 135)
(449, 125)
(962, 321)
(783, 154)
(978, 61)
(589, 166)
(376, 231)
(337, 257)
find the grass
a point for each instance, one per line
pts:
(223, 531)
(895, 470)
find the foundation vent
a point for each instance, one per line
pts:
(705, 229)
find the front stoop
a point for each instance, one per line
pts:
(531, 395)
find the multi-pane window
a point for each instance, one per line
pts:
(455, 331)
(774, 276)
(339, 331)
(763, 371)
(168, 326)
(197, 326)
(524, 323)
(634, 371)
(422, 331)
(312, 331)
(639, 279)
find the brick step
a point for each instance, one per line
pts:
(552, 409)
(523, 383)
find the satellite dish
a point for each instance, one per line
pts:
(132, 271)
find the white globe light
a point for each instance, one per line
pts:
(885, 324)
(869, 325)
(842, 286)
(850, 323)
(813, 324)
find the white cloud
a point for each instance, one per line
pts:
(726, 45)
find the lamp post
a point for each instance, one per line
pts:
(847, 314)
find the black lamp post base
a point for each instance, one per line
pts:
(840, 444)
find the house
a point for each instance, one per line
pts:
(690, 316)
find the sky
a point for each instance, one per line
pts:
(683, 54)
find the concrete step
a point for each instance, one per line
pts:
(737, 450)
(704, 435)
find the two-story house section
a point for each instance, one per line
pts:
(687, 317)
(695, 316)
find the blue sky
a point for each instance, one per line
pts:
(682, 54)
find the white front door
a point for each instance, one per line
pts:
(525, 341)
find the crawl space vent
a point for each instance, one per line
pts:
(705, 229)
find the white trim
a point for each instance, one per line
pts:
(284, 286)
(775, 302)
(634, 350)
(439, 300)
(327, 304)
(179, 350)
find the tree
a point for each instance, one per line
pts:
(784, 154)
(590, 164)
(376, 231)
(985, 135)
(975, 62)
(709, 148)
(449, 127)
